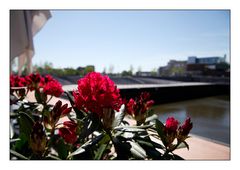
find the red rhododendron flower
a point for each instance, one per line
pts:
(171, 125)
(17, 85)
(17, 81)
(96, 92)
(33, 81)
(131, 107)
(68, 132)
(140, 105)
(186, 127)
(59, 111)
(53, 88)
(44, 80)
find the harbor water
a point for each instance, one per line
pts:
(210, 116)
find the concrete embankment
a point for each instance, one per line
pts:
(163, 93)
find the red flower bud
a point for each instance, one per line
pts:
(186, 127)
(68, 132)
(68, 135)
(171, 125)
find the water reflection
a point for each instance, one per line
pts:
(210, 116)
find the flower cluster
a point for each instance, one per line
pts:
(68, 132)
(18, 85)
(33, 81)
(94, 127)
(56, 113)
(17, 81)
(53, 88)
(96, 92)
(184, 130)
(138, 108)
(43, 85)
(172, 130)
(66, 129)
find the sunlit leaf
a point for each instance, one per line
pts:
(177, 157)
(52, 157)
(83, 148)
(11, 131)
(100, 151)
(118, 116)
(151, 118)
(160, 129)
(91, 123)
(137, 151)
(18, 155)
(133, 128)
(183, 145)
(79, 113)
(14, 140)
(26, 124)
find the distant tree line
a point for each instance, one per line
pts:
(47, 68)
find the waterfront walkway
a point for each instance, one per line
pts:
(200, 148)
(142, 86)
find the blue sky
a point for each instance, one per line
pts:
(145, 39)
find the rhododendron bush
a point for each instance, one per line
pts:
(98, 124)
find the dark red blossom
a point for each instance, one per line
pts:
(96, 92)
(17, 81)
(53, 88)
(44, 80)
(33, 81)
(68, 132)
(186, 127)
(56, 113)
(139, 107)
(18, 85)
(171, 125)
(131, 107)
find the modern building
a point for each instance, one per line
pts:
(173, 68)
(206, 60)
(205, 65)
(214, 65)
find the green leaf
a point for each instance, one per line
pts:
(21, 144)
(144, 142)
(106, 138)
(14, 140)
(38, 96)
(79, 114)
(62, 149)
(148, 142)
(100, 151)
(177, 157)
(18, 154)
(119, 117)
(26, 124)
(53, 157)
(151, 118)
(133, 128)
(11, 131)
(183, 145)
(137, 151)
(86, 145)
(159, 129)
(91, 124)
